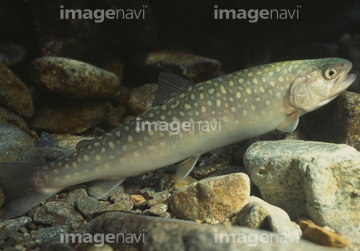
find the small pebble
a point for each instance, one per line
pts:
(137, 199)
(158, 209)
(319, 235)
(57, 213)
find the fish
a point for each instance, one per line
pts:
(241, 105)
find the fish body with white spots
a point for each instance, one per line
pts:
(185, 122)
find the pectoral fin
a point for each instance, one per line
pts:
(100, 188)
(21, 193)
(185, 167)
(290, 123)
(83, 143)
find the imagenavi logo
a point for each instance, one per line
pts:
(175, 127)
(253, 15)
(99, 15)
(254, 239)
(99, 239)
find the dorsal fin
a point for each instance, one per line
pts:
(169, 85)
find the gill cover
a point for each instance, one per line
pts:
(312, 90)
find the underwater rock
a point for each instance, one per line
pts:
(70, 118)
(137, 199)
(17, 146)
(14, 94)
(193, 67)
(115, 195)
(314, 179)
(283, 226)
(154, 233)
(87, 205)
(352, 235)
(75, 195)
(140, 99)
(122, 203)
(337, 122)
(46, 140)
(149, 192)
(321, 235)
(15, 224)
(54, 233)
(215, 198)
(114, 116)
(8, 118)
(157, 209)
(159, 197)
(240, 148)
(48, 146)
(12, 54)
(73, 79)
(57, 213)
(210, 165)
(115, 66)
(254, 214)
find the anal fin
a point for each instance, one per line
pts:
(185, 167)
(100, 188)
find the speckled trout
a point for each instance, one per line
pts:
(207, 115)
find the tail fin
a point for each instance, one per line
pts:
(17, 183)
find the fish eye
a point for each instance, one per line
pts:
(330, 73)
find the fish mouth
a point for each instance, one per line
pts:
(342, 83)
